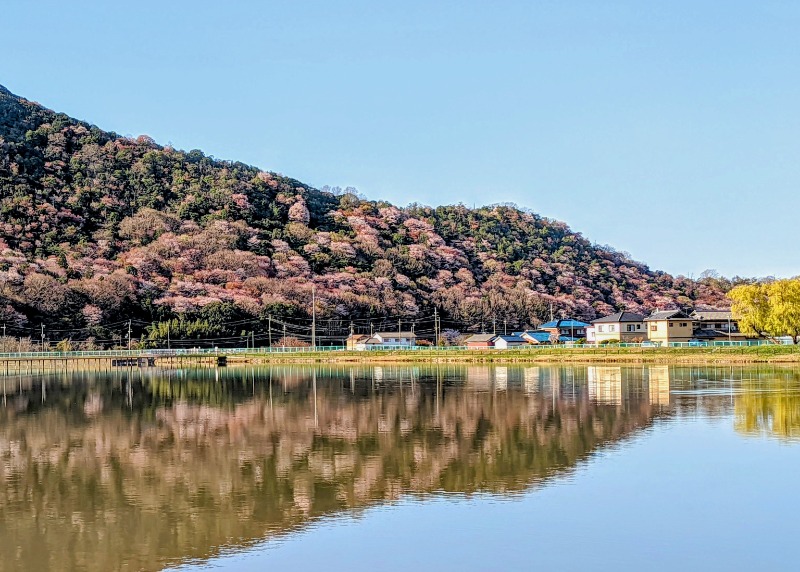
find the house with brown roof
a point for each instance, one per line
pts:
(668, 326)
(356, 341)
(480, 341)
(716, 326)
(721, 320)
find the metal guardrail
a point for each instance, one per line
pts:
(164, 352)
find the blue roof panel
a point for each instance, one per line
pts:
(514, 338)
(541, 337)
(564, 324)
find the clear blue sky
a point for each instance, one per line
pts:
(669, 130)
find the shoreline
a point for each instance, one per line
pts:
(699, 356)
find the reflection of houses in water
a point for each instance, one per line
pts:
(551, 381)
(252, 452)
(479, 377)
(501, 378)
(560, 381)
(485, 378)
(530, 377)
(615, 384)
(392, 373)
(532, 380)
(605, 384)
(658, 382)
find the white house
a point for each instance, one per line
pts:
(392, 340)
(381, 340)
(619, 327)
(506, 342)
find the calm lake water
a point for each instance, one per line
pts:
(398, 468)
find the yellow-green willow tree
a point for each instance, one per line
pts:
(768, 309)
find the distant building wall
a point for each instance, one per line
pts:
(622, 331)
(672, 330)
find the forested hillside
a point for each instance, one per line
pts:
(96, 229)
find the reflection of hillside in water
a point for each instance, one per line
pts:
(770, 405)
(137, 471)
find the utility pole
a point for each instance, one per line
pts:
(4, 329)
(436, 326)
(399, 328)
(169, 327)
(129, 335)
(269, 328)
(494, 324)
(284, 334)
(505, 327)
(313, 317)
(42, 337)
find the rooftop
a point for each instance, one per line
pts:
(668, 315)
(358, 336)
(513, 339)
(544, 337)
(620, 317)
(567, 323)
(481, 338)
(395, 334)
(712, 315)
(541, 337)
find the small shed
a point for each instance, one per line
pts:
(356, 341)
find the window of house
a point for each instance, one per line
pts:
(600, 328)
(611, 328)
(638, 326)
(653, 328)
(683, 324)
(671, 324)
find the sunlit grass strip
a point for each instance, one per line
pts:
(776, 353)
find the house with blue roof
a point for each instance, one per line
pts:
(533, 336)
(567, 330)
(541, 337)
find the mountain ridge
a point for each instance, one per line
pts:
(96, 227)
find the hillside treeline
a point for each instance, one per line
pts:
(96, 228)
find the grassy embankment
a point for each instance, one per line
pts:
(701, 355)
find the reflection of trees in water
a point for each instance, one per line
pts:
(770, 406)
(106, 474)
